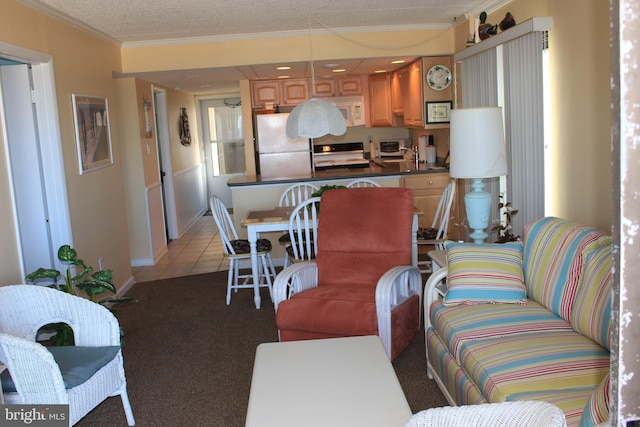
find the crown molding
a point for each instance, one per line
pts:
(281, 34)
(53, 13)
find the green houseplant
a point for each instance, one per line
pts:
(78, 278)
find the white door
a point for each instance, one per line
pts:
(26, 167)
(223, 144)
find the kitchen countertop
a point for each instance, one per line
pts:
(375, 170)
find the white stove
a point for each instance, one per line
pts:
(339, 155)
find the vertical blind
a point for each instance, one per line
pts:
(510, 75)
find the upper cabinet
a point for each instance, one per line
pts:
(295, 91)
(411, 88)
(350, 85)
(290, 92)
(380, 100)
(325, 87)
(265, 92)
(280, 92)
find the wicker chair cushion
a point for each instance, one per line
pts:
(77, 364)
(241, 246)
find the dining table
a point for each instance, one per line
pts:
(277, 219)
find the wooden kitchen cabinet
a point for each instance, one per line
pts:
(427, 189)
(412, 96)
(325, 88)
(396, 92)
(265, 92)
(350, 85)
(295, 91)
(380, 100)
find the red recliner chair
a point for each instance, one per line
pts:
(362, 281)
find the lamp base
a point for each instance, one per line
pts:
(478, 206)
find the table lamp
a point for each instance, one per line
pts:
(477, 151)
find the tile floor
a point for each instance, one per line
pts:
(198, 251)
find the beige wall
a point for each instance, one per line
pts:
(82, 65)
(580, 62)
(291, 49)
(183, 157)
(133, 149)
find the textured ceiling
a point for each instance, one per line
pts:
(135, 22)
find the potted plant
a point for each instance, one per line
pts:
(77, 278)
(504, 229)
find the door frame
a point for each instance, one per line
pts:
(48, 130)
(164, 161)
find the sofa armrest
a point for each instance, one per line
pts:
(434, 289)
(293, 279)
(395, 286)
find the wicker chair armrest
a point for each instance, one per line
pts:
(34, 371)
(395, 286)
(26, 308)
(512, 414)
(434, 289)
(293, 279)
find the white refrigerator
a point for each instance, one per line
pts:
(278, 155)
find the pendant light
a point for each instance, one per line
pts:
(315, 117)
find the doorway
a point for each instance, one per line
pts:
(223, 144)
(29, 119)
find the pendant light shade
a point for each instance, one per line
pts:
(315, 118)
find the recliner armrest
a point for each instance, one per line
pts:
(293, 279)
(397, 285)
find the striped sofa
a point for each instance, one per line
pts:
(554, 347)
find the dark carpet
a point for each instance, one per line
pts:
(189, 357)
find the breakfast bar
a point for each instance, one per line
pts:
(254, 193)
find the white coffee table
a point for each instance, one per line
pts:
(329, 382)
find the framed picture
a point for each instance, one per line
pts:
(93, 135)
(438, 112)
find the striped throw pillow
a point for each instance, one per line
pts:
(484, 273)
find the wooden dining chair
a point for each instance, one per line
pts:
(238, 249)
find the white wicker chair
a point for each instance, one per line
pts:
(36, 375)
(507, 414)
(362, 182)
(238, 249)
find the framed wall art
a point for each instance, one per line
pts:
(93, 134)
(438, 112)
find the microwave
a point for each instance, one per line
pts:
(392, 147)
(352, 108)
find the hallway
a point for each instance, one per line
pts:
(198, 251)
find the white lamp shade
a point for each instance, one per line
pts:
(315, 118)
(477, 145)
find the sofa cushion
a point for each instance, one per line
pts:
(591, 314)
(502, 367)
(484, 273)
(596, 410)
(458, 385)
(554, 252)
(464, 323)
